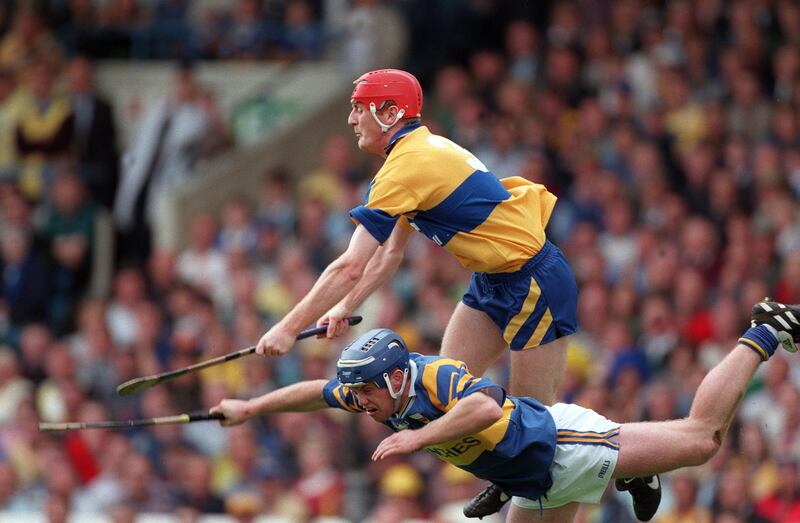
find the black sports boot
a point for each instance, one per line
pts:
(785, 319)
(487, 502)
(646, 494)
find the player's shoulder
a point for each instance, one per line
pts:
(407, 161)
(423, 162)
(420, 360)
(418, 144)
(409, 149)
(434, 364)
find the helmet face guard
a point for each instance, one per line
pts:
(375, 88)
(371, 358)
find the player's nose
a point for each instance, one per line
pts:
(360, 400)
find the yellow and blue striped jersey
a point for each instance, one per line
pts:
(442, 190)
(514, 453)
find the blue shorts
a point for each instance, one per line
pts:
(532, 306)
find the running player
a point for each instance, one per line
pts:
(522, 294)
(550, 458)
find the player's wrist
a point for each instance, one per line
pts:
(252, 408)
(351, 302)
(288, 327)
(421, 438)
(344, 309)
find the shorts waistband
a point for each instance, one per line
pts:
(527, 269)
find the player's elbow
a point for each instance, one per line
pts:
(497, 412)
(490, 411)
(349, 268)
(352, 274)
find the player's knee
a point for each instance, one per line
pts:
(702, 441)
(710, 449)
(704, 449)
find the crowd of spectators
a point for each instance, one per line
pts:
(670, 134)
(197, 29)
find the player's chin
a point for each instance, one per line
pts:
(377, 415)
(365, 143)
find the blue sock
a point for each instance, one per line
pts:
(761, 339)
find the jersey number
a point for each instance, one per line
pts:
(472, 161)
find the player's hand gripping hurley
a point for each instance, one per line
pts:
(145, 382)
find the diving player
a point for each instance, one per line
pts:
(550, 458)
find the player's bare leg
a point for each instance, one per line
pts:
(538, 372)
(647, 448)
(472, 337)
(650, 448)
(563, 514)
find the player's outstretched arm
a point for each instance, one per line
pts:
(378, 271)
(470, 415)
(304, 396)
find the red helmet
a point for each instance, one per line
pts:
(389, 84)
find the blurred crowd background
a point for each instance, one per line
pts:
(668, 130)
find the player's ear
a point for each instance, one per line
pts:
(391, 116)
(397, 378)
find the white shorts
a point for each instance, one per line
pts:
(586, 455)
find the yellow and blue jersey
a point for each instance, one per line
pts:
(514, 453)
(443, 191)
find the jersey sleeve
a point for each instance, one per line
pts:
(389, 197)
(338, 396)
(446, 381)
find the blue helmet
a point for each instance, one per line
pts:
(372, 356)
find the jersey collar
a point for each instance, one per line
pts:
(399, 134)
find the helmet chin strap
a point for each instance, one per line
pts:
(397, 396)
(384, 127)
